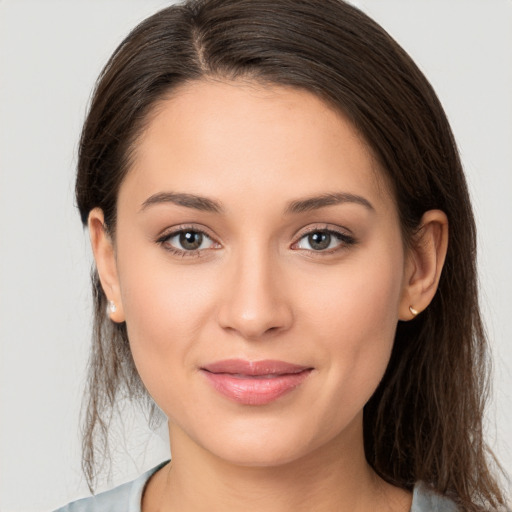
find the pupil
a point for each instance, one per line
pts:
(191, 240)
(319, 241)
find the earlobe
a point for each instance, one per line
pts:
(425, 260)
(104, 256)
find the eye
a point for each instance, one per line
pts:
(325, 240)
(187, 241)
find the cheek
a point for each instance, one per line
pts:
(354, 314)
(166, 307)
(363, 295)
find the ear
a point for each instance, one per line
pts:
(424, 263)
(104, 255)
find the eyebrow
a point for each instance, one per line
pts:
(299, 206)
(323, 200)
(188, 200)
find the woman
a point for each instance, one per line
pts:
(285, 261)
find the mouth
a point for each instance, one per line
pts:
(254, 382)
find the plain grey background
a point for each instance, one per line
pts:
(51, 52)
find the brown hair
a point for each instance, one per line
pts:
(424, 422)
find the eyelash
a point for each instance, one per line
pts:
(344, 239)
(164, 241)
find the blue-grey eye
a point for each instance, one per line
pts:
(321, 240)
(190, 240)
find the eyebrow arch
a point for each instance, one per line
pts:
(323, 200)
(188, 200)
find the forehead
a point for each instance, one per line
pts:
(213, 137)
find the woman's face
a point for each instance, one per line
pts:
(260, 270)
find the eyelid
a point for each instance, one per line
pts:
(173, 231)
(344, 235)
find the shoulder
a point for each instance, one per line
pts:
(123, 498)
(427, 500)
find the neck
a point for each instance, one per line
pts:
(336, 476)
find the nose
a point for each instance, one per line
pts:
(255, 301)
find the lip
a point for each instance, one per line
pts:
(254, 382)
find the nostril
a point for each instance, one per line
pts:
(256, 304)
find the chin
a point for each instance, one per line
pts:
(260, 456)
(264, 447)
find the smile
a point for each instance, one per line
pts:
(254, 382)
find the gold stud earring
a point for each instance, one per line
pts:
(413, 311)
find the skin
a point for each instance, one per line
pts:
(257, 289)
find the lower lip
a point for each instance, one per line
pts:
(260, 390)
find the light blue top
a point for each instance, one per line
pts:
(128, 498)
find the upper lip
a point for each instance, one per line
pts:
(254, 368)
